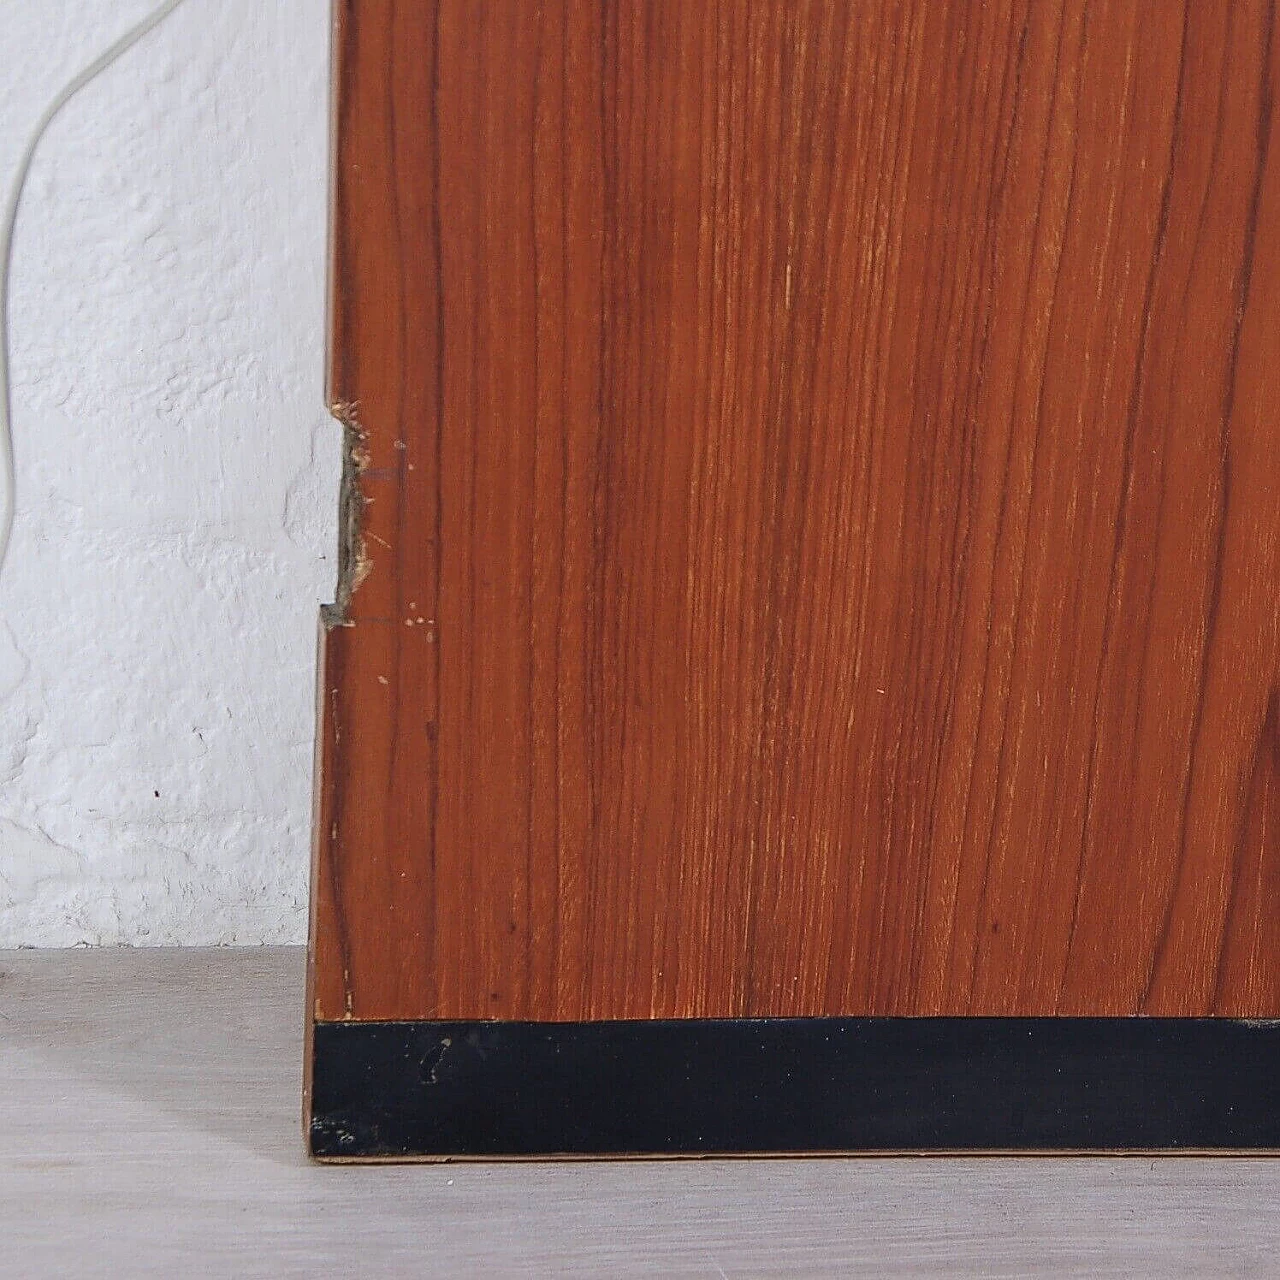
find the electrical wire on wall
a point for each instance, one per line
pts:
(14, 198)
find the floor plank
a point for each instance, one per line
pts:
(149, 1126)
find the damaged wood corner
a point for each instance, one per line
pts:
(353, 559)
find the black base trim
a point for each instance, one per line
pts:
(740, 1086)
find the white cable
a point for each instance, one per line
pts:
(95, 68)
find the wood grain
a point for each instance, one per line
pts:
(814, 508)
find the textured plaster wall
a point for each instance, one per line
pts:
(177, 475)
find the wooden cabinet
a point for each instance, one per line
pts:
(811, 539)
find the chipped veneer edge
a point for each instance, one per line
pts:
(353, 557)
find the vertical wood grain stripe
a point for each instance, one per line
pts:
(816, 545)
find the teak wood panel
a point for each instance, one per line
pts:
(813, 510)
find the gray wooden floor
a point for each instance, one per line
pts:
(149, 1108)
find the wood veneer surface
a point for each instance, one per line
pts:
(814, 511)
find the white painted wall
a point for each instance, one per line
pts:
(177, 475)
